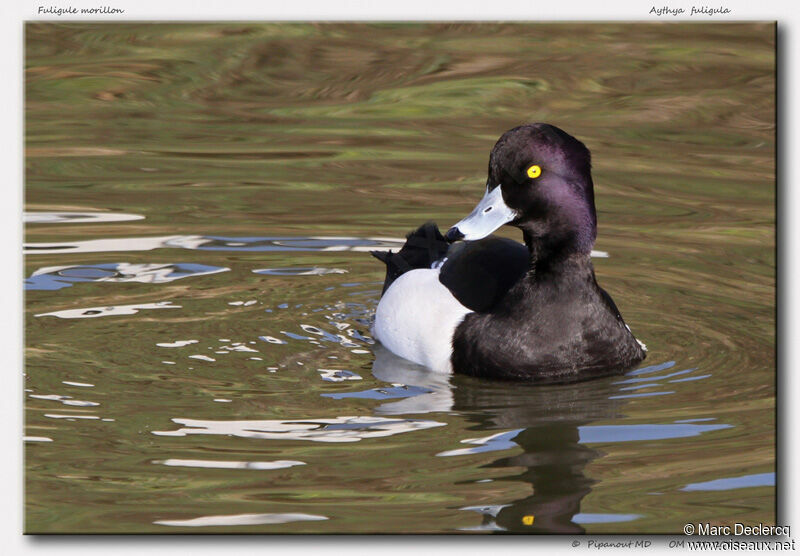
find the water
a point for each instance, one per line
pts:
(201, 199)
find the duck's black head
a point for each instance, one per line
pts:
(539, 181)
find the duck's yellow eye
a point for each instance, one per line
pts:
(534, 171)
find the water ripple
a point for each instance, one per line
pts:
(338, 429)
(240, 519)
(493, 443)
(207, 464)
(299, 271)
(216, 243)
(334, 375)
(590, 434)
(58, 277)
(31, 217)
(92, 312)
(731, 483)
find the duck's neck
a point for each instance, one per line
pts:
(557, 263)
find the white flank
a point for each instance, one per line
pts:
(416, 319)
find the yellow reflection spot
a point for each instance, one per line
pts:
(534, 171)
(527, 520)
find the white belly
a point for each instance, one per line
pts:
(416, 319)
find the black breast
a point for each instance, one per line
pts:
(556, 325)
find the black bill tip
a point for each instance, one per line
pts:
(453, 234)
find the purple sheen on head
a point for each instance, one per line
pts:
(557, 209)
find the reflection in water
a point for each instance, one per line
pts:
(551, 425)
(592, 434)
(176, 343)
(553, 461)
(544, 423)
(114, 244)
(288, 243)
(92, 312)
(272, 340)
(30, 217)
(71, 416)
(489, 513)
(58, 277)
(79, 384)
(349, 339)
(206, 464)
(240, 519)
(731, 483)
(604, 518)
(422, 391)
(336, 375)
(213, 243)
(66, 400)
(494, 443)
(36, 439)
(300, 271)
(338, 429)
(368, 131)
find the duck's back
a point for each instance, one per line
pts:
(479, 273)
(421, 306)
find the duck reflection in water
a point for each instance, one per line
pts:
(548, 420)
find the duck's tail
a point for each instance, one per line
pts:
(423, 247)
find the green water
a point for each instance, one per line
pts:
(296, 148)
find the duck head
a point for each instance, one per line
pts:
(539, 181)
